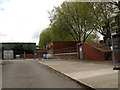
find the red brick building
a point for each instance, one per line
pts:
(63, 49)
(71, 50)
(96, 51)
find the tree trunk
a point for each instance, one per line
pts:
(107, 38)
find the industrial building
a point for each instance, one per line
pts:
(10, 50)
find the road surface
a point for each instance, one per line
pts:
(30, 74)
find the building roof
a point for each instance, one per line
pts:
(64, 41)
(100, 47)
(17, 42)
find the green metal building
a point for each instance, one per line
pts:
(10, 45)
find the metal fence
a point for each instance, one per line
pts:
(66, 53)
(65, 50)
(6, 54)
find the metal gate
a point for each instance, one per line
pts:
(8, 54)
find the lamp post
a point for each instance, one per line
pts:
(116, 50)
(116, 53)
(115, 37)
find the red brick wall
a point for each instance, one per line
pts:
(32, 55)
(27, 55)
(61, 45)
(68, 56)
(21, 55)
(91, 53)
(39, 55)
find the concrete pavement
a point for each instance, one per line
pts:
(92, 74)
(0, 74)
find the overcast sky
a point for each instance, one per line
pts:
(23, 20)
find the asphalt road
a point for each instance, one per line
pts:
(30, 74)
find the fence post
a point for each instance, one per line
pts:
(24, 55)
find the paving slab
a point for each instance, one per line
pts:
(92, 74)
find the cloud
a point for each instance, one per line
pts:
(2, 1)
(2, 35)
(2, 9)
(23, 20)
(36, 35)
